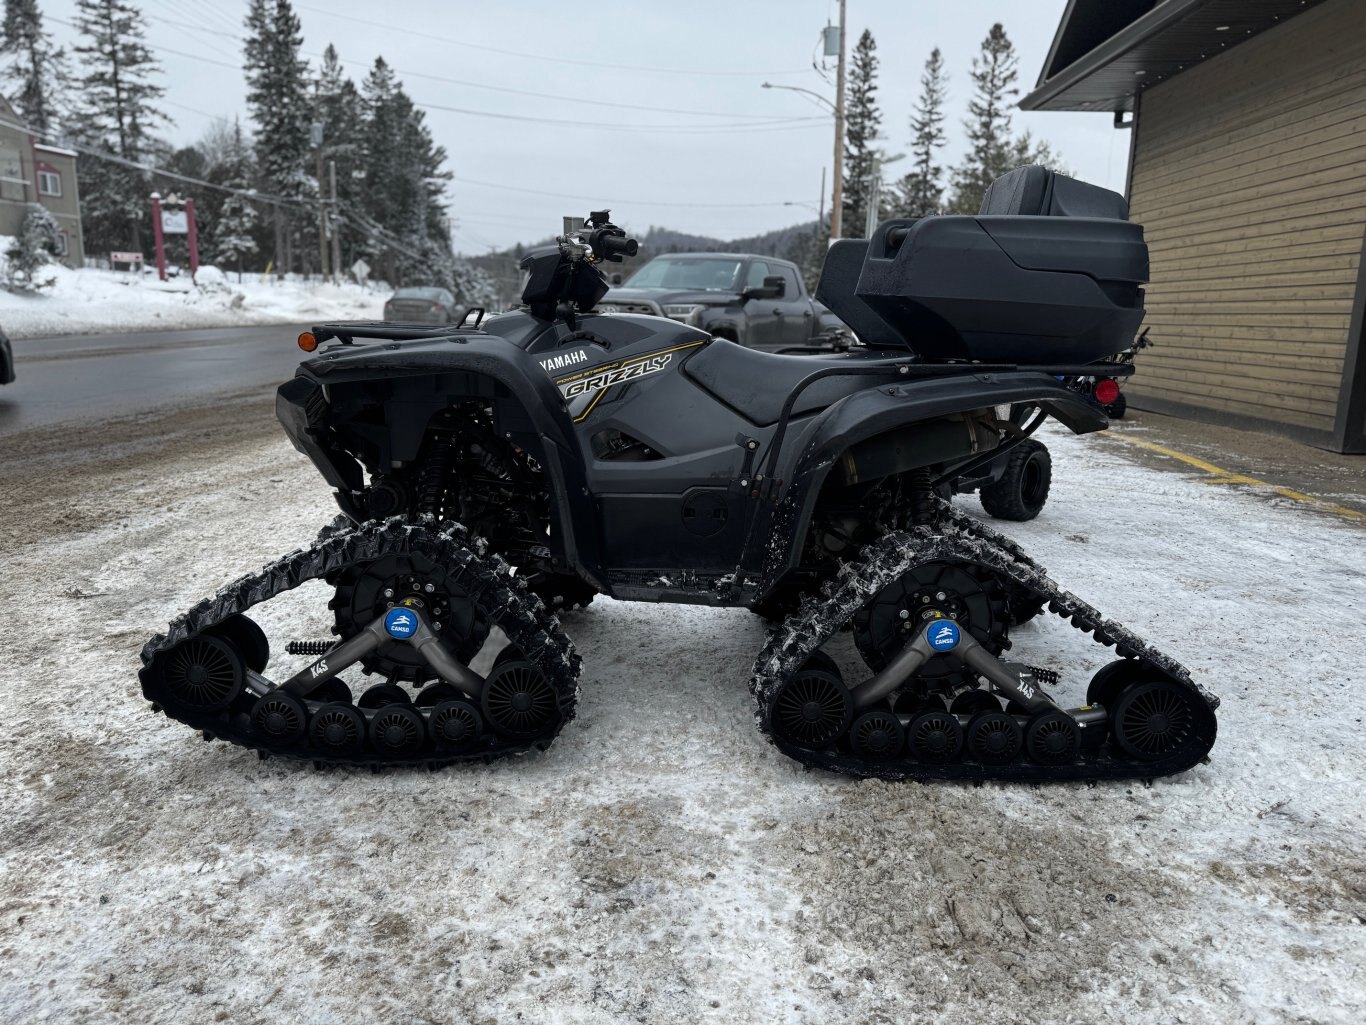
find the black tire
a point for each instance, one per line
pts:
(1022, 491)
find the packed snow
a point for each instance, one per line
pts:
(104, 301)
(662, 863)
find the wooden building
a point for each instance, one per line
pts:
(1248, 172)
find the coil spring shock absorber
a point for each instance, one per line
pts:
(431, 483)
(918, 499)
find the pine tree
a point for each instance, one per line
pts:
(116, 113)
(338, 108)
(994, 72)
(38, 70)
(31, 251)
(237, 218)
(277, 96)
(862, 121)
(921, 191)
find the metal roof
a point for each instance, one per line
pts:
(1106, 51)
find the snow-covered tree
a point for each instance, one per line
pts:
(277, 95)
(116, 112)
(236, 221)
(37, 69)
(473, 286)
(862, 120)
(921, 191)
(31, 251)
(990, 154)
(337, 106)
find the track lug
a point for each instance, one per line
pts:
(206, 735)
(155, 708)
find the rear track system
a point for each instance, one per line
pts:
(1144, 716)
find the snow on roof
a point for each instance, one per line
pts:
(55, 149)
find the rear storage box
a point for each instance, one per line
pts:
(1039, 286)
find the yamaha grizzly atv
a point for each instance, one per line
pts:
(484, 469)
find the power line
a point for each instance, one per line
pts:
(620, 202)
(692, 72)
(465, 83)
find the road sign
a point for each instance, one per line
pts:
(361, 270)
(175, 222)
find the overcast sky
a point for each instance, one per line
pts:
(523, 161)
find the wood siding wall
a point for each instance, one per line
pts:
(1249, 176)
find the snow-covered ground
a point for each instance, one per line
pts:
(100, 301)
(662, 863)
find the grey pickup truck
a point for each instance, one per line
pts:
(758, 301)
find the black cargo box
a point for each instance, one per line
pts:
(1026, 281)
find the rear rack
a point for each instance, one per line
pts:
(391, 331)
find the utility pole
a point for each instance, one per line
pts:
(820, 217)
(336, 226)
(837, 201)
(316, 136)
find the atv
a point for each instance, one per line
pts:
(492, 472)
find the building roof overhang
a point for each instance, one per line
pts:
(1107, 51)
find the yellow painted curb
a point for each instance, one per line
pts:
(1218, 475)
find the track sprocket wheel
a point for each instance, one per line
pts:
(366, 591)
(969, 594)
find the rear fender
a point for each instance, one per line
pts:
(885, 409)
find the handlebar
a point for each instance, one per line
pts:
(616, 245)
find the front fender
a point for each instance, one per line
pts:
(875, 411)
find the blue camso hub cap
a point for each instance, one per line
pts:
(943, 635)
(401, 623)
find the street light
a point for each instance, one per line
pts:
(809, 92)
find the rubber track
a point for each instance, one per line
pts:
(490, 583)
(790, 645)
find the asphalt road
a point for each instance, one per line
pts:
(90, 378)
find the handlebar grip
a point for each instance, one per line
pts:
(615, 244)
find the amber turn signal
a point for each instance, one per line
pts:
(307, 342)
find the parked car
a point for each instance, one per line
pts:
(422, 306)
(6, 360)
(758, 301)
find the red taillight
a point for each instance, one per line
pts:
(1106, 391)
(438, 307)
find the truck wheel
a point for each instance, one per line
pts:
(1021, 492)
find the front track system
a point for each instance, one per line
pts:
(445, 596)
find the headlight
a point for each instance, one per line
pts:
(687, 313)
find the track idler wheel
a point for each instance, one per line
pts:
(877, 735)
(205, 674)
(935, 737)
(455, 725)
(383, 694)
(518, 700)
(971, 702)
(1052, 738)
(249, 639)
(337, 729)
(812, 708)
(398, 730)
(1154, 719)
(279, 717)
(994, 738)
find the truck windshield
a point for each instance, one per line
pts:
(703, 275)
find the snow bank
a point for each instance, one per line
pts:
(97, 301)
(662, 863)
